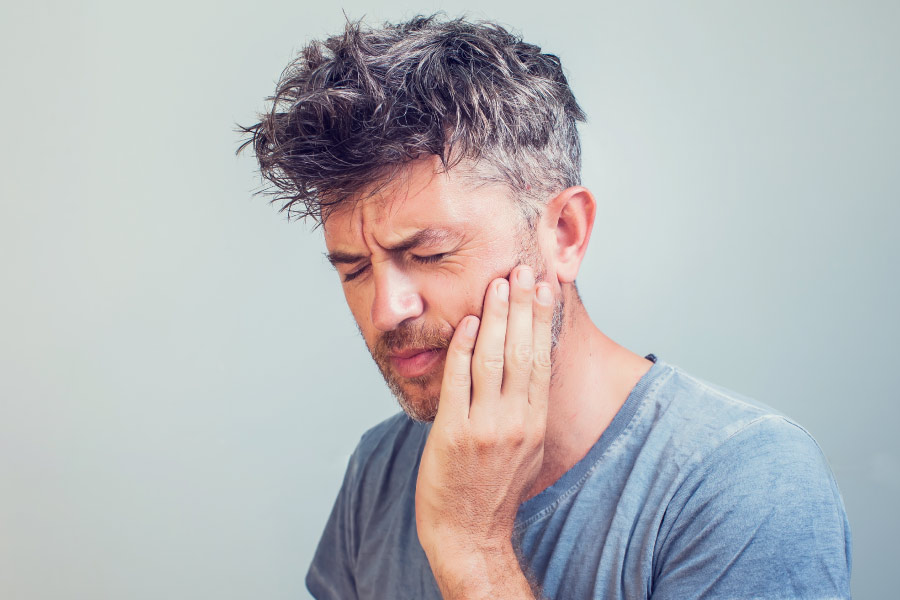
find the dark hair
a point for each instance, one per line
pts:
(351, 110)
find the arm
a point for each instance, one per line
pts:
(486, 446)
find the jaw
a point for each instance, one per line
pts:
(417, 396)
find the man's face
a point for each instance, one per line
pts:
(416, 258)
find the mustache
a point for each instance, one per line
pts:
(406, 336)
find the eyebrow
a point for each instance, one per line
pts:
(430, 236)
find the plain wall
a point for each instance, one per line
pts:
(181, 382)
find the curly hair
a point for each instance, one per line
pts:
(351, 110)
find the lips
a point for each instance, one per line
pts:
(409, 352)
(415, 362)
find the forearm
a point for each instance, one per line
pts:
(484, 574)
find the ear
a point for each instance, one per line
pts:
(570, 219)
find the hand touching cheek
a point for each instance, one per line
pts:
(485, 448)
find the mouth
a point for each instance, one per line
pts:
(415, 362)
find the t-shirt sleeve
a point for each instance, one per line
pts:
(760, 517)
(330, 575)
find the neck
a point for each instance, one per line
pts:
(592, 378)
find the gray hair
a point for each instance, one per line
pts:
(355, 108)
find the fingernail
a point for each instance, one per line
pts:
(543, 295)
(503, 290)
(471, 326)
(525, 278)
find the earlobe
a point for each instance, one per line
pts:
(573, 211)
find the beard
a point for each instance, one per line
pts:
(416, 395)
(419, 396)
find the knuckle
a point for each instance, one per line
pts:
(490, 377)
(461, 351)
(453, 439)
(521, 355)
(492, 362)
(500, 310)
(516, 434)
(459, 379)
(485, 437)
(542, 358)
(524, 299)
(483, 444)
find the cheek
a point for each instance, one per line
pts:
(465, 297)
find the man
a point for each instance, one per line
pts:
(542, 459)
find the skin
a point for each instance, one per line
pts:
(510, 416)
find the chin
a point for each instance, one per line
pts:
(420, 414)
(416, 400)
(417, 396)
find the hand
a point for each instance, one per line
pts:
(486, 445)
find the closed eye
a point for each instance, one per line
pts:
(355, 274)
(428, 259)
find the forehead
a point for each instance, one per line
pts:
(422, 197)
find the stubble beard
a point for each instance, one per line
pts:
(419, 396)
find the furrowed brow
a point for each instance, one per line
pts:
(342, 258)
(424, 237)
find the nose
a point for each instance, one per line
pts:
(396, 296)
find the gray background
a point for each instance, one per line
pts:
(181, 380)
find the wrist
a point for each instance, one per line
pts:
(480, 570)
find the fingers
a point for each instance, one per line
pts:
(456, 385)
(517, 356)
(511, 356)
(487, 368)
(539, 386)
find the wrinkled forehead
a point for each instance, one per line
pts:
(420, 195)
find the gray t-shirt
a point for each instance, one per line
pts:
(692, 491)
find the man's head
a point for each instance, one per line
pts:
(416, 257)
(453, 139)
(354, 108)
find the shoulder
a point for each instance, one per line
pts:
(377, 481)
(755, 506)
(388, 432)
(387, 455)
(706, 404)
(390, 438)
(767, 460)
(724, 442)
(718, 426)
(689, 421)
